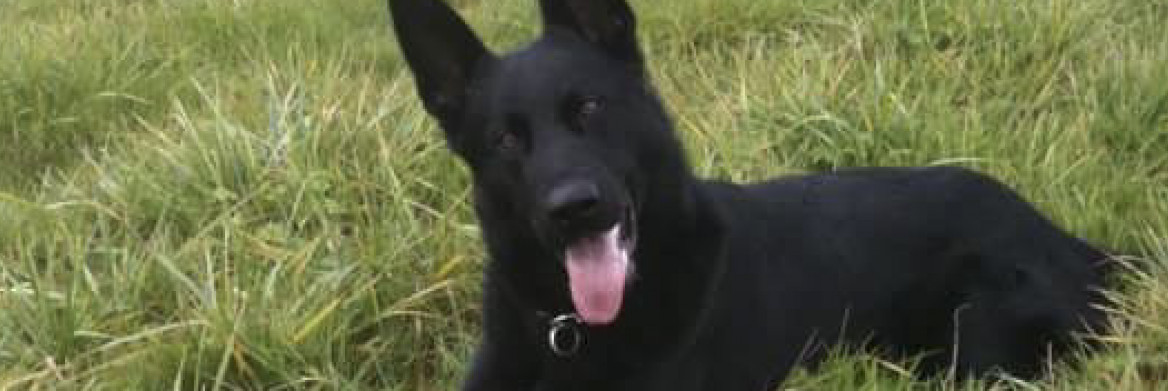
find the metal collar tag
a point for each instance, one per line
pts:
(565, 335)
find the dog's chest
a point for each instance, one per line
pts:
(595, 372)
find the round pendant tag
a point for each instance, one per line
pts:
(565, 336)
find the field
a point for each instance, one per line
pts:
(214, 194)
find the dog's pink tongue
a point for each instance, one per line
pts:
(597, 268)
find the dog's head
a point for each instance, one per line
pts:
(563, 136)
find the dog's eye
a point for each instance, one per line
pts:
(589, 105)
(506, 141)
(512, 136)
(586, 106)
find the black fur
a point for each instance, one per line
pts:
(732, 285)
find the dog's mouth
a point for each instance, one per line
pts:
(599, 266)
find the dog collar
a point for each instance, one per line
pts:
(565, 335)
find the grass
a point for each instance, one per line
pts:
(247, 195)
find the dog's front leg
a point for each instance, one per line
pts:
(507, 358)
(495, 370)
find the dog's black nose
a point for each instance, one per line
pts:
(572, 201)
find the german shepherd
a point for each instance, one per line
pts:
(612, 267)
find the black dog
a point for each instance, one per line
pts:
(613, 268)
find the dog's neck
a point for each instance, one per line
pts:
(686, 251)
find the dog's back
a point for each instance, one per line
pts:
(902, 260)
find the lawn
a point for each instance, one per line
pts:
(246, 194)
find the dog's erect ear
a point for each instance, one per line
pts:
(440, 49)
(609, 24)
